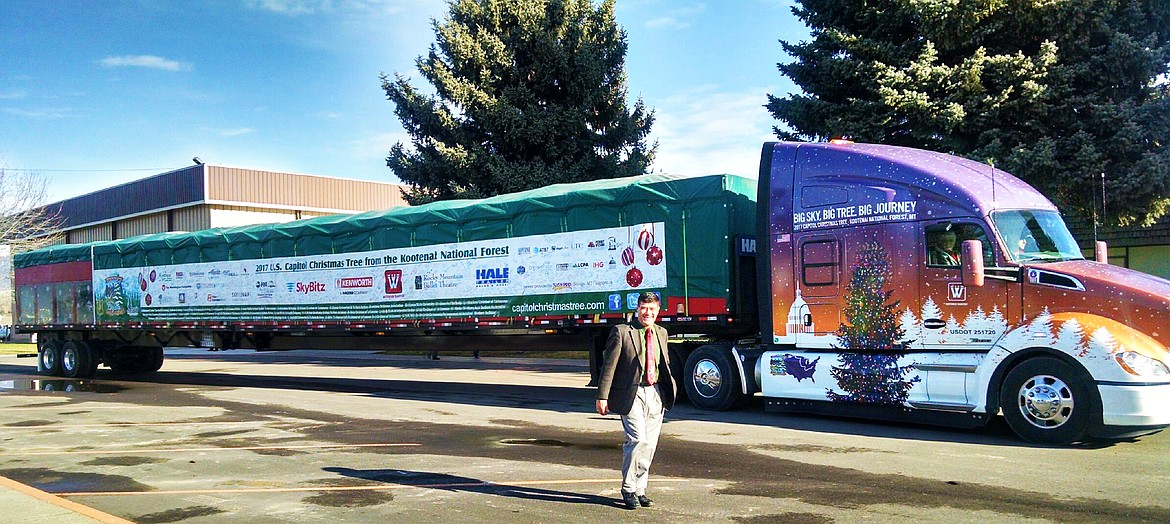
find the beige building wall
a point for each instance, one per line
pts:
(143, 225)
(91, 234)
(191, 218)
(232, 216)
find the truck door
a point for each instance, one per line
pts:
(817, 311)
(955, 322)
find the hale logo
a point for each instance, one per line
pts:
(956, 292)
(393, 281)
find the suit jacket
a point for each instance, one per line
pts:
(622, 371)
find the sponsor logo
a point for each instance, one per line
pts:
(265, 284)
(562, 267)
(310, 287)
(956, 292)
(393, 278)
(496, 276)
(632, 301)
(520, 270)
(182, 298)
(561, 286)
(355, 282)
(599, 265)
(524, 251)
(615, 302)
(580, 265)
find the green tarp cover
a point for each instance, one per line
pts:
(701, 214)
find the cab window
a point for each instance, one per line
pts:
(944, 241)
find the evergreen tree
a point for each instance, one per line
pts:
(872, 341)
(527, 93)
(1057, 93)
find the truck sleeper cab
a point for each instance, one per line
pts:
(867, 317)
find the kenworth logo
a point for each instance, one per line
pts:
(497, 276)
(353, 282)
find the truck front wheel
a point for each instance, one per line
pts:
(1047, 401)
(49, 358)
(711, 379)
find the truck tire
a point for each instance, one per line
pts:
(711, 379)
(75, 359)
(49, 358)
(135, 359)
(1048, 401)
(154, 360)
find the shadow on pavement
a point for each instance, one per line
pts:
(454, 483)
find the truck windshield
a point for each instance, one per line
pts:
(1036, 236)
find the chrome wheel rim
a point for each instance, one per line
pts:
(706, 378)
(1046, 401)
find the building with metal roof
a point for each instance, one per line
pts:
(203, 196)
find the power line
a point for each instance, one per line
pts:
(97, 170)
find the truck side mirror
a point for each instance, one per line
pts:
(972, 263)
(1101, 252)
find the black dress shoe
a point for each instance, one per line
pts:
(630, 500)
(645, 501)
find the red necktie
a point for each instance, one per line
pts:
(650, 350)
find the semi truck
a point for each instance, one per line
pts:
(848, 279)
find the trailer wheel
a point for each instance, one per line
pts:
(75, 359)
(1047, 401)
(154, 360)
(49, 358)
(711, 379)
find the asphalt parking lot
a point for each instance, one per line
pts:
(358, 437)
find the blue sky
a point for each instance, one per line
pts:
(97, 93)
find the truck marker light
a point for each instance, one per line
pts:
(841, 141)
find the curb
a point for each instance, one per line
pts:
(100, 516)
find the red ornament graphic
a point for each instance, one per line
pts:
(654, 255)
(149, 300)
(628, 256)
(634, 277)
(645, 239)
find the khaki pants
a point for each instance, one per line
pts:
(642, 426)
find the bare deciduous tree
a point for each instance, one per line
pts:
(25, 222)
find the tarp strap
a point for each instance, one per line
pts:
(686, 272)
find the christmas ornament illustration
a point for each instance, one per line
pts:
(634, 277)
(654, 255)
(628, 256)
(645, 239)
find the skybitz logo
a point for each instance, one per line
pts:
(305, 288)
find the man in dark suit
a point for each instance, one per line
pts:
(636, 383)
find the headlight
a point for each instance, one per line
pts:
(1141, 365)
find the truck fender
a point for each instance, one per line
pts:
(747, 362)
